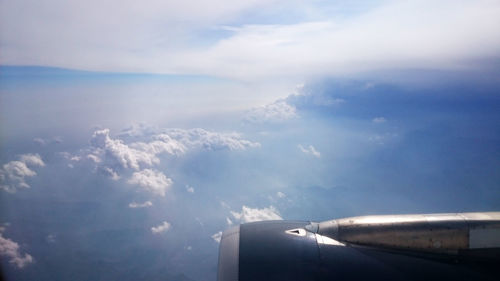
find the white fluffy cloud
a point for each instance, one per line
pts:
(310, 150)
(217, 236)
(140, 205)
(277, 111)
(151, 180)
(189, 189)
(32, 159)
(161, 143)
(163, 227)
(10, 250)
(13, 174)
(117, 153)
(179, 141)
(112, 155)
(200, 138)
(248, 214)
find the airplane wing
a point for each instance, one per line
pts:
(458, 246)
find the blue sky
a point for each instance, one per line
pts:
(132, 134)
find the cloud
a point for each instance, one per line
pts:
(229, 221)
(277, 111)
(447, 34)
(13, 174)
(117, 153)
(189, 189)
(200, 138)
(109, 172)
(163, 227)
(250, 215)
(382, 139)
(162, 143)
(310, 150)
(140, 205)
(151, 180)
(225, 205)
(138, 130)
(315, 96)
(177, 141)
(280, 194)
(51, 238)
(32, 159)
(40, 141)
(73, 158)
(44, 142)
(10, 250)
(379, 120)
(113, 155)
(375, 40)
(94, 158)
(217, 236)
(95, 34)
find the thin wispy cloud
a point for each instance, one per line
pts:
(309, 150)
(379, 120)
(44, 142)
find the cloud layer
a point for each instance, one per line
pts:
(226, 40)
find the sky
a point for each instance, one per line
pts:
(133, 133)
